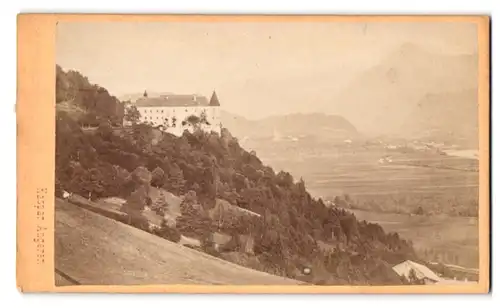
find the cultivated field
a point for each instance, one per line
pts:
(450, 240)
(357, 171)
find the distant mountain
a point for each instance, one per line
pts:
(383, 98)
(446, 117)
(298, 125)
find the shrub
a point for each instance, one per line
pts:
(157, 177)
(419, 211)
(142, 176)
(232, 245)
(58, 189)
(208, 245)
(190, 198)
(138, 221)
(166, 232)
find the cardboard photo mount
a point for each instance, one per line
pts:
(35, 110)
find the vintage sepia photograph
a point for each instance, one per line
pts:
(240, 152)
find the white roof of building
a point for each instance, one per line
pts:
(421, 271)
(172, 100)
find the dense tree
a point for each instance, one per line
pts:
(175, 180)
(167, 232)
(132, 115)
(204, 118)
(58, 189)
(160, 205)
(190, 198)
(76, 89)
(135, 206)
(137, 200)
(349, 226)
(158, 177)
(194, 222)
(105, 130)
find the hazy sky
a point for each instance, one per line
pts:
(257, 69)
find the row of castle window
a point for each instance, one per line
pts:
(161, 110)
(163, 118)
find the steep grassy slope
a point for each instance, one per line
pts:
(93, 249)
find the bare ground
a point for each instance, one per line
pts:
(94, 250)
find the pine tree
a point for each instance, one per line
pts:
(169, 233)
(176, 180)
(134, 207)
(157, 177)
(160, 205)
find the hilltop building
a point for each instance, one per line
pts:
(175, 113)
(425, 274)
(420, 271)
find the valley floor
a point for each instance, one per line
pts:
(387, 193)
(445, 239)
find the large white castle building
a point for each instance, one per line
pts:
(175, 113)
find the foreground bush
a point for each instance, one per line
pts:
(168, 233)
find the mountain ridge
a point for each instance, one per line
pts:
(450, 117)
(293, 125)
(388, 91)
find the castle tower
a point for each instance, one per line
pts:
(214, 105)
(214, 101)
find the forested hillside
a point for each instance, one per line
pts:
(294, 230)
(89, 103)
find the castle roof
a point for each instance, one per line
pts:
(172, 100)
(214, 100)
